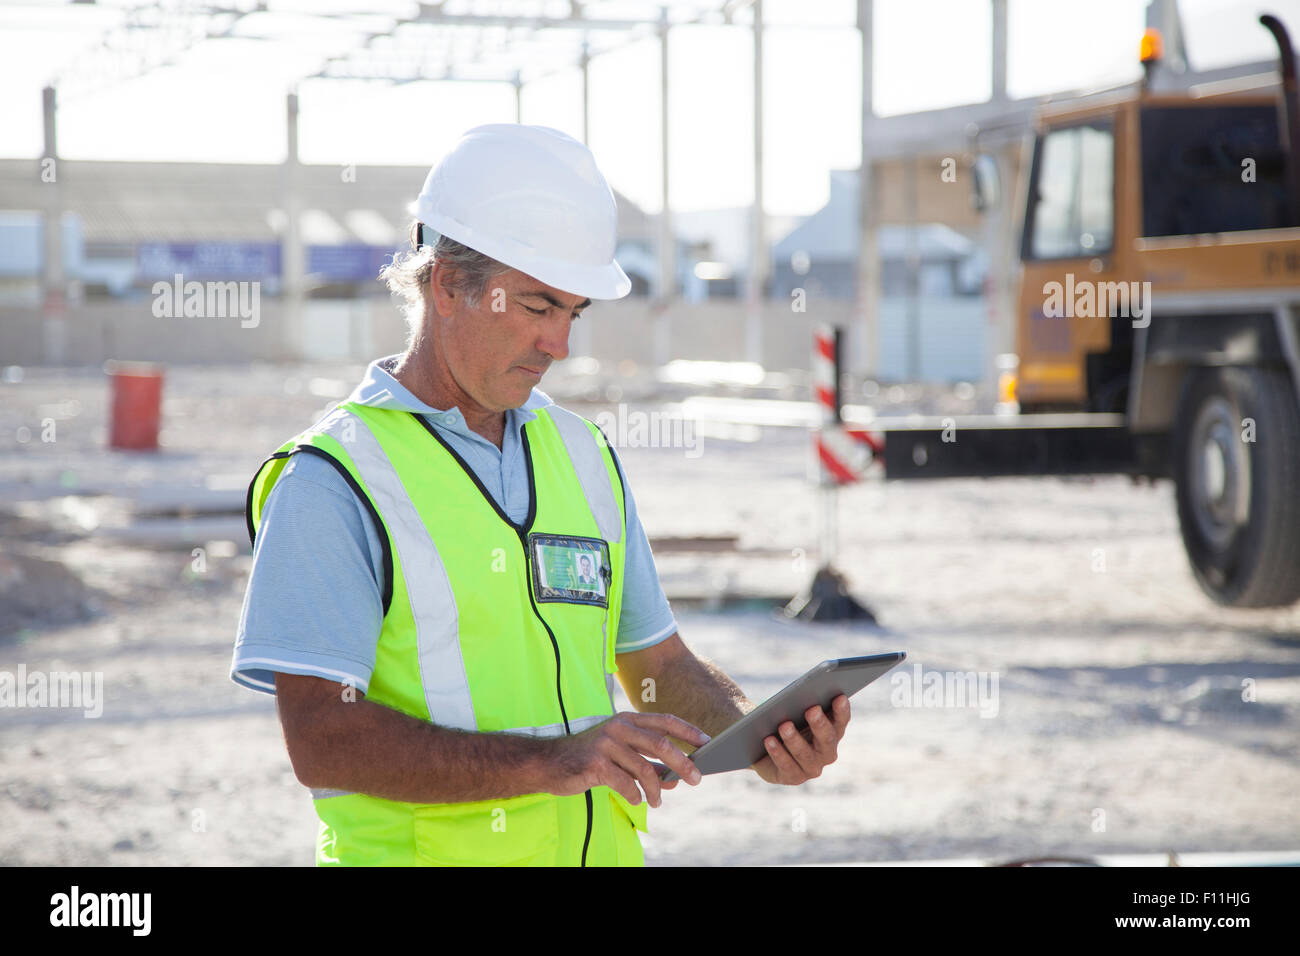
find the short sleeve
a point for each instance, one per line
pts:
(313, 604)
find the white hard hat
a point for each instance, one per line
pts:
(531, 198)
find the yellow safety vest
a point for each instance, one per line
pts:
(486, 628)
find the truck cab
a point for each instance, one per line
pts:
(1160, 257)
(1157, 320)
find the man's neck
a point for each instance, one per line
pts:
(426, 377)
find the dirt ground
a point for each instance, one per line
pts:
(1118, 724)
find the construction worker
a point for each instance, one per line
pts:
(445, 689)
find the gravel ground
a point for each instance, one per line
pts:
(1117, 726)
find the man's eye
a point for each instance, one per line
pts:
(536, 311)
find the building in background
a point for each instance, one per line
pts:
(129, 225)
(931, 273)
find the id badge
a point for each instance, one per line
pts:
(570, 570)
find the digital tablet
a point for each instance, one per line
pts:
(741, 744)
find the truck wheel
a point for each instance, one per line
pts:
(1237, 467)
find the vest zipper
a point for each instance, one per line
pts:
(522, 532)
(555, 645)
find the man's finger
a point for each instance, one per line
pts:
(824, 738)
(800, 749)
(670, 725)
(840, 713)
(661, 748)
(621, 782)
(642, 772)
(784, 763)
(660, 769)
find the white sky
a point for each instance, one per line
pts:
(223, 100)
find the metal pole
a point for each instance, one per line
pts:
(830, 544)
(1164, 16)
(293, 264)
(999, 51)
(758, 241)
(582, 344)
(667, 247)
(54, 292)
(998, 240)
(913, 261)
(1001, 325)
(837, 415)
(868, 267)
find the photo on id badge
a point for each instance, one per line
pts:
(571, 570)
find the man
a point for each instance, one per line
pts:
(586, 579)
(443, 705)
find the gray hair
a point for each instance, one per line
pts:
(409, 273)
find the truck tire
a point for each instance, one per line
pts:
(1237, 467)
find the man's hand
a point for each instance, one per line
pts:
(610, 755)
(794, 758)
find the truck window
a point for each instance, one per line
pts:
(1211, 169)
(1072, 199)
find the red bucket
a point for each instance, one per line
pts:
(137, 405)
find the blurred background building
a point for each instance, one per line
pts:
(918, 277)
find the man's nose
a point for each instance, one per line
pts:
(555, 337)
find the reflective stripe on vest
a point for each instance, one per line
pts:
(555, 659)
(588, 462)
(442, 671)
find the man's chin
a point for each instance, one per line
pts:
(519, 399)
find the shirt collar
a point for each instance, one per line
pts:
(378, 389)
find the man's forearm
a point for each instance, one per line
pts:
(696, 690)
(365, 747)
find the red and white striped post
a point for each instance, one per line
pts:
(826, 371)
(843, 454)
(834, 469)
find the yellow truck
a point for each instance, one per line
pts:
(1157, 328)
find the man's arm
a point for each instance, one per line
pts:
(668, 678)
(338, 740)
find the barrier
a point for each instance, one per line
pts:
(844, 454)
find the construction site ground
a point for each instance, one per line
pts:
(1129, 715)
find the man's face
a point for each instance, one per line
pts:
(586, 567)
(499, 351)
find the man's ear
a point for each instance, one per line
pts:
(441, 292)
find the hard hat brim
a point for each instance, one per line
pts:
(598, 281)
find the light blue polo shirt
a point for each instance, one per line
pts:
(314, 601)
